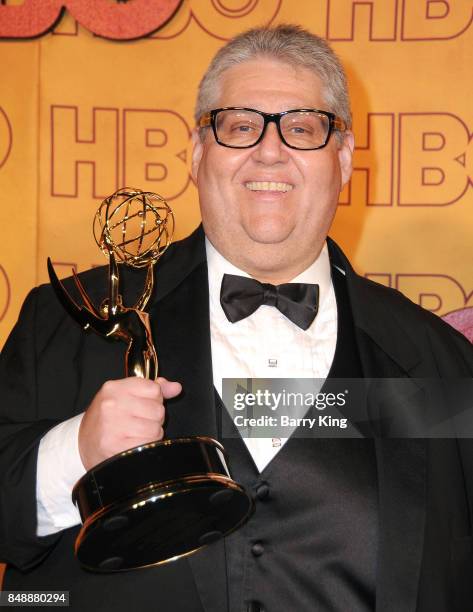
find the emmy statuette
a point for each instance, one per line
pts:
(160, 501)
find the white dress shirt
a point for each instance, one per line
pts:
(264, 345)
(59, 468)
(267, 344)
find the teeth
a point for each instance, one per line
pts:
(268, 186)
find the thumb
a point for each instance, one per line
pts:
(169, 388)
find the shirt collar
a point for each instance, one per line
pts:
(318, 272)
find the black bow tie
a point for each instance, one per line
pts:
(241, 296)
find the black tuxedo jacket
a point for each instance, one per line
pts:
(50, 370)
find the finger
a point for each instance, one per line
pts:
(143, 429)
(124, 411)
(133, 385)
(169, 388)
(148, 410)
(132, 441)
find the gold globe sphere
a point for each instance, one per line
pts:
(137, 226)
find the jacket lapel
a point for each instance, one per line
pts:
(181, 332)
(386, 351)
(401, 464)
(180, 326)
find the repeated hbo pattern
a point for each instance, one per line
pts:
(92, 100)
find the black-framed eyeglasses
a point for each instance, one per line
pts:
(303, 128)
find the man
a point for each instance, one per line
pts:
(354, 524)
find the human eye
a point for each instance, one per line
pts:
(301, 128)
(243, 126)
(299, 124)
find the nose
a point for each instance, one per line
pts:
(271, 149)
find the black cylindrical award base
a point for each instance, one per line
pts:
(155, 503)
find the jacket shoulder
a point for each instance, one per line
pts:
(423, 328)
(413, 313)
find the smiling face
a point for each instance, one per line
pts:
(268, 208)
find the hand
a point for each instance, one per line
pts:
(124, 413)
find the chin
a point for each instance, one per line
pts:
(269, 232)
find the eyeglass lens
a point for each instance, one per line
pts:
(302, 129)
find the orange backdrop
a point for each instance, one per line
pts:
(81, 115)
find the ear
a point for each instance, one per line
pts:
(197, 151)
(345, 156)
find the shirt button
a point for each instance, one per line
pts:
(262, 491)
(257, 549)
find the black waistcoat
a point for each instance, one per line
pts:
(311, 544)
